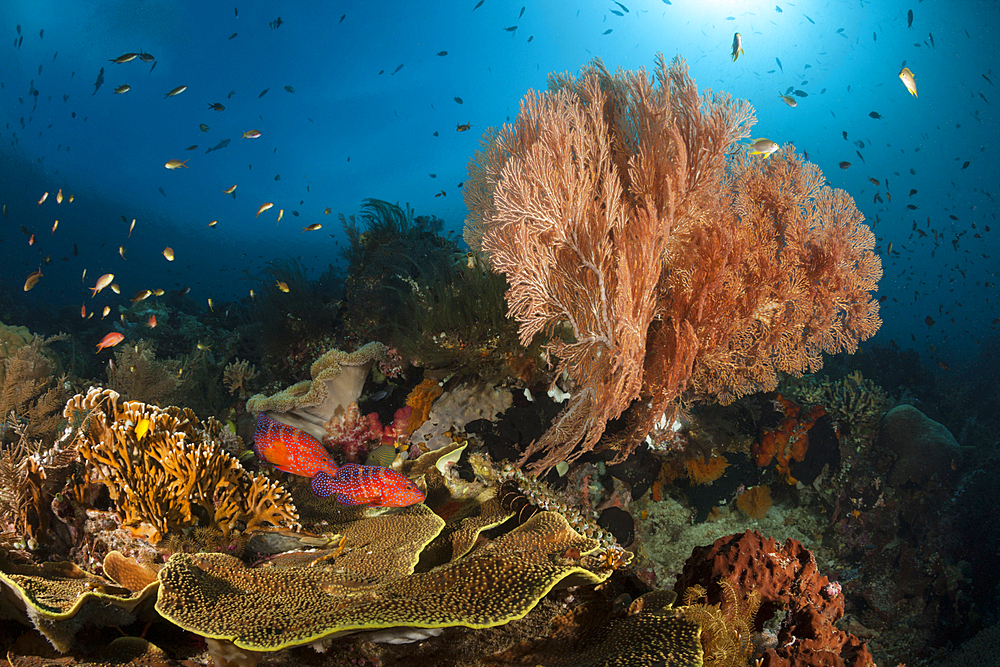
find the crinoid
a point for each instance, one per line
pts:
(727, 627)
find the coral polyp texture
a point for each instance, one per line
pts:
(166, 470)
(318, 405)
(266, 609)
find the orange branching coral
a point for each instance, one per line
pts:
(790, 441)
(421, 399)
(704, 471)
(663, 262)
(755, 502)
(166, 470)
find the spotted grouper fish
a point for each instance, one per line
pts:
(367, 485)
(290, 449)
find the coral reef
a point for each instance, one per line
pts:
(790, 440)
(166, 471)
(317, 405)
(661, 262)
(454, 409)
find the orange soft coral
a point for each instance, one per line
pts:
(755, 502)
(705, 471)
(790, 440)
(421, 399)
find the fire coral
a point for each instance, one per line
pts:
(664, 262)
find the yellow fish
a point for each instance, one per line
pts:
(229, 191)
(213, 223)
(282, 286)
(122, 89)
(906, 76)
(168, 252)
(175, 164)
(142, 428)
(33, 278)
(281, 214)
(313, 227)
(176, 91)
(264, 207)
(763, 147)
(59, 196)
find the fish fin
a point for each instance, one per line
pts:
(344, 499)
(284, 468)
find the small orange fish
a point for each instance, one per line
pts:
(326, 211)
(107, 310)
(142, 295)
(213, 223)
(176, 91)
(264, 207)
(45, 196)
(152, 322)
(83, 310)
(176, 164)
(251, 134)
(70, 200)
(55, 226)
(31, 241)
(229, 191)
(313, 227)
(59, 196)
(168, 252)
(210, 306)
(283, 286)
(32, 279)
(281, 214)
(102, 282)
(130, 228)
(110, 340)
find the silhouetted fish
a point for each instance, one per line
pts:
(99, 82)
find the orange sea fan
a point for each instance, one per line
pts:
(421, 399)
(755, 502)
(704, 471)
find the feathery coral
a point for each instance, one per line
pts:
(661, 265)
(703, 471)
(755, 502)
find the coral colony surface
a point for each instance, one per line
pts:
(599, 438)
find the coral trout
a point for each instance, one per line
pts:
(289, 449)
(367, 485)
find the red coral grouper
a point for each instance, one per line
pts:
(367, 485)
(289, 449)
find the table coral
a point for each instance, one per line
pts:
(266, 609)
(60, 599)
(166, 471)
(317, 405)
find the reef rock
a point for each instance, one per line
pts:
(925, 450)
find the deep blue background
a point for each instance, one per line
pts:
(354, 129)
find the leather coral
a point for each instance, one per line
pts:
(664, 263)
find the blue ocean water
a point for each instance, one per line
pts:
(356, 100)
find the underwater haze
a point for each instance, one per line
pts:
(370, 99)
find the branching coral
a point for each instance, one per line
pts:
(166, 471)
